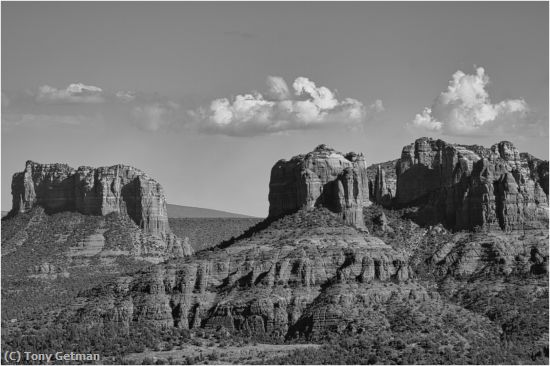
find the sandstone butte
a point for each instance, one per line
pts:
(468, 186)
(323, 177)
(119, 189)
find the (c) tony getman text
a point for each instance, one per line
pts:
(18, 356)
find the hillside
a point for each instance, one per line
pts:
(48, 259)
(183, 212)
(207, 232)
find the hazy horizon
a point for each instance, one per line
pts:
(206, 97)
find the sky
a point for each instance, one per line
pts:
(205, 97)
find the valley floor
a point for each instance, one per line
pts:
(216, 353)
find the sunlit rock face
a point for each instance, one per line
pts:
(323, 177)
(96, 191)
(471, 186)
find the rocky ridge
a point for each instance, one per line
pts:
(323, 177)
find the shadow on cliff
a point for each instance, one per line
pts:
(262, 225)
(326, 198)
(323, 201)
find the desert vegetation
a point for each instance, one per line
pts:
(204, 233)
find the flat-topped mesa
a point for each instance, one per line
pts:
(95, 191)
(323, 177)
(471, 186)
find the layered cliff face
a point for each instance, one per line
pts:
(323, 177)
(100, 191)
(262, 284)
(484, 254)
(471, 186)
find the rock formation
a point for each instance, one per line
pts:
(323, 177)
(262, 284)
(491, 253)
(382, 192)
(471, 186)
(100, 191)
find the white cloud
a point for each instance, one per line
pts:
(307, 106)
(278, 89)
(74, 93)
(321, 96)
(125, 96)
(155, 116)
(466, 109)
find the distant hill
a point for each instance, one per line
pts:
(183, 212)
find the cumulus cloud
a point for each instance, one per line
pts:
(465, 108)
(155, 116)
(277, 88)
(280, 109)
(74, 93)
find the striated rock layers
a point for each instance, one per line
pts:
(323, 177)
(262, 284)
(480, 255)
(470, 186)
(96, 191)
